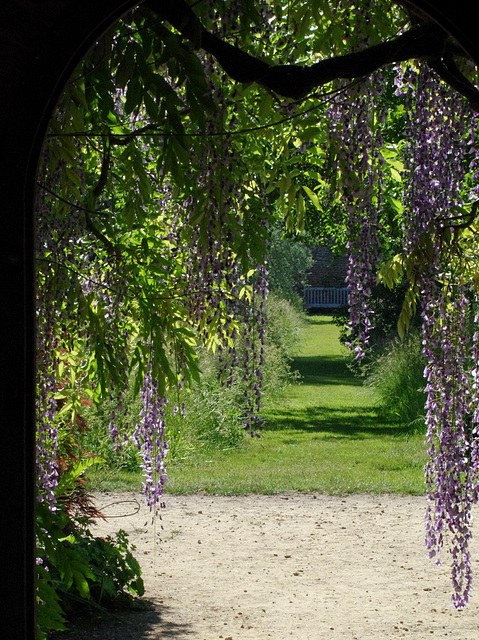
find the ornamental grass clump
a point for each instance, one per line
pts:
(398, 377)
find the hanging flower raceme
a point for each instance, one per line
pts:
(54, 245)
(450, 485)
(356, 136)
(220, 297)
(434, 157)
(253, 355)
(352, 136)
(150, 439)
(436, 161)
(473, 425)
(47, 440)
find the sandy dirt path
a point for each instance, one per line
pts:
(294, 566)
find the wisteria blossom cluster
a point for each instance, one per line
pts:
(360, 166)
(221, 295)
(97, 280)
(440, 158)
(356, 142)
(451, 470)
(440, 134)
(151, 441)
(55, 245)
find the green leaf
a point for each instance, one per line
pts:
(310, 133)
(81, 582)
(126, 68)
(395, 175)
(134, 95)
(265, 105)
(396, 204)
(407, 311)
(392, 271)
(67, 482)
(300, 211)
(313, 197)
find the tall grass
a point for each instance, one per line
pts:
(212, 420)
(397, 377)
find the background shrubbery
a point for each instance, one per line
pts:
(289, 260)
(213, 412)
(393, 367)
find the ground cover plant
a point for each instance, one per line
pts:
(186, 133)
(75, 568)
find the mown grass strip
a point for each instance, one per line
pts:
(326, 435)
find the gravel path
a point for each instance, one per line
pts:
(295, 566)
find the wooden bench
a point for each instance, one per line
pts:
(325, 297)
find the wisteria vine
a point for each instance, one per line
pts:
(128, 303)
(131, 302)
(360, 166)
(441, 157)
(440, 130)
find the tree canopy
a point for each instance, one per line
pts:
(184, 134)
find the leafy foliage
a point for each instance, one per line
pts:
(207, 416)
(398, 376)
(289, 260)
(73, 567)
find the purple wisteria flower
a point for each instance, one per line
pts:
(150, 438)
(360, 165)
(438, 127)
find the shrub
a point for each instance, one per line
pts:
(289, 260)
(96, 438)
(75, 568)
(386, 305)
(283, 325)
(213, 412)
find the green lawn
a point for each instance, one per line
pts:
(325, 435)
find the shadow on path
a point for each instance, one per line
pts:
(355, 423)
(128, 624)
(351, 418)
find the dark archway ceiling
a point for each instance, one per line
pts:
(40, 44)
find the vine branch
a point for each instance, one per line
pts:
(425, 41)
(99, 235)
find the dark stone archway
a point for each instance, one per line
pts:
(40, 44)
